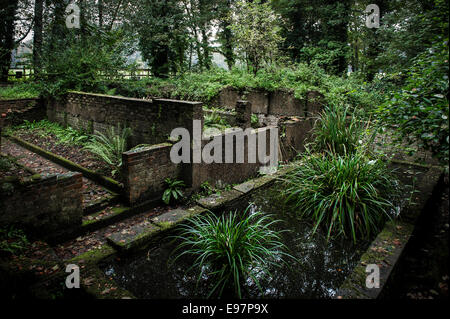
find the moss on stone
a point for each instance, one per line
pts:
(94, 256)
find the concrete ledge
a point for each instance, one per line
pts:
(142, 234)
(176, 216)
(386, 250)
(134, 237)
(216, 201)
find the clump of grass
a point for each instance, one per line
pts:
(232, 248)
(338, 131)
(348, 195)
(110, 146)
(20, 91)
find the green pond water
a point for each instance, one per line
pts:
(320, 269)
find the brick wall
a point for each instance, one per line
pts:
(279, 102)
(22, 109)
(230, 173)
(145, 171)
(46, 207)
(151, 121)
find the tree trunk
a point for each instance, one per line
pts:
(37, 37)
(100, 13)
(7, 16)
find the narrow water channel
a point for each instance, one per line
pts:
(319, 271)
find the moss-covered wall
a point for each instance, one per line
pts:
(45, 206)
(151, 121)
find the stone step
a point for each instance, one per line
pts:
(140, 234)
(101, 204)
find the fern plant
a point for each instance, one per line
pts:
(173, 191)
(110, 146)
(12, 240)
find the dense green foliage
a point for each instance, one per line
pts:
(316, 31)
(300, 78)
(84, 66)
(420, 108)
(256, 30)
(20, 91)
(231, 249)
(348, 195)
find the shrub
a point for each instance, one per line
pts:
(230, 249)
(420, 108)
(339, 131)
(347, 195)
(110, 146)
(173, 191)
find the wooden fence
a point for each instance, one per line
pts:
(26, 73)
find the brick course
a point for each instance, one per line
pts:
(46, 208)
(151, 121)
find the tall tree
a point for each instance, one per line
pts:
(256, 31)
(161, 29)
(315, 31)
(8, 10)
(37, 36)
(225, 36)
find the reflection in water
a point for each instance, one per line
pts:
(319, 270)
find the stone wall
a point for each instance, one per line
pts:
(294, 135)
(279, 102)
(145, 171)
(151, 121)
(45, 207)
(19, 110)
(230, 173)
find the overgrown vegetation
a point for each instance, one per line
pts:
(300, 78)
(110, 146)
(214, 120)
(12, 240)
(5, 163)
(62, 134)
(420, 108)
(19, 91)
(231, 249)
(350, 195)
